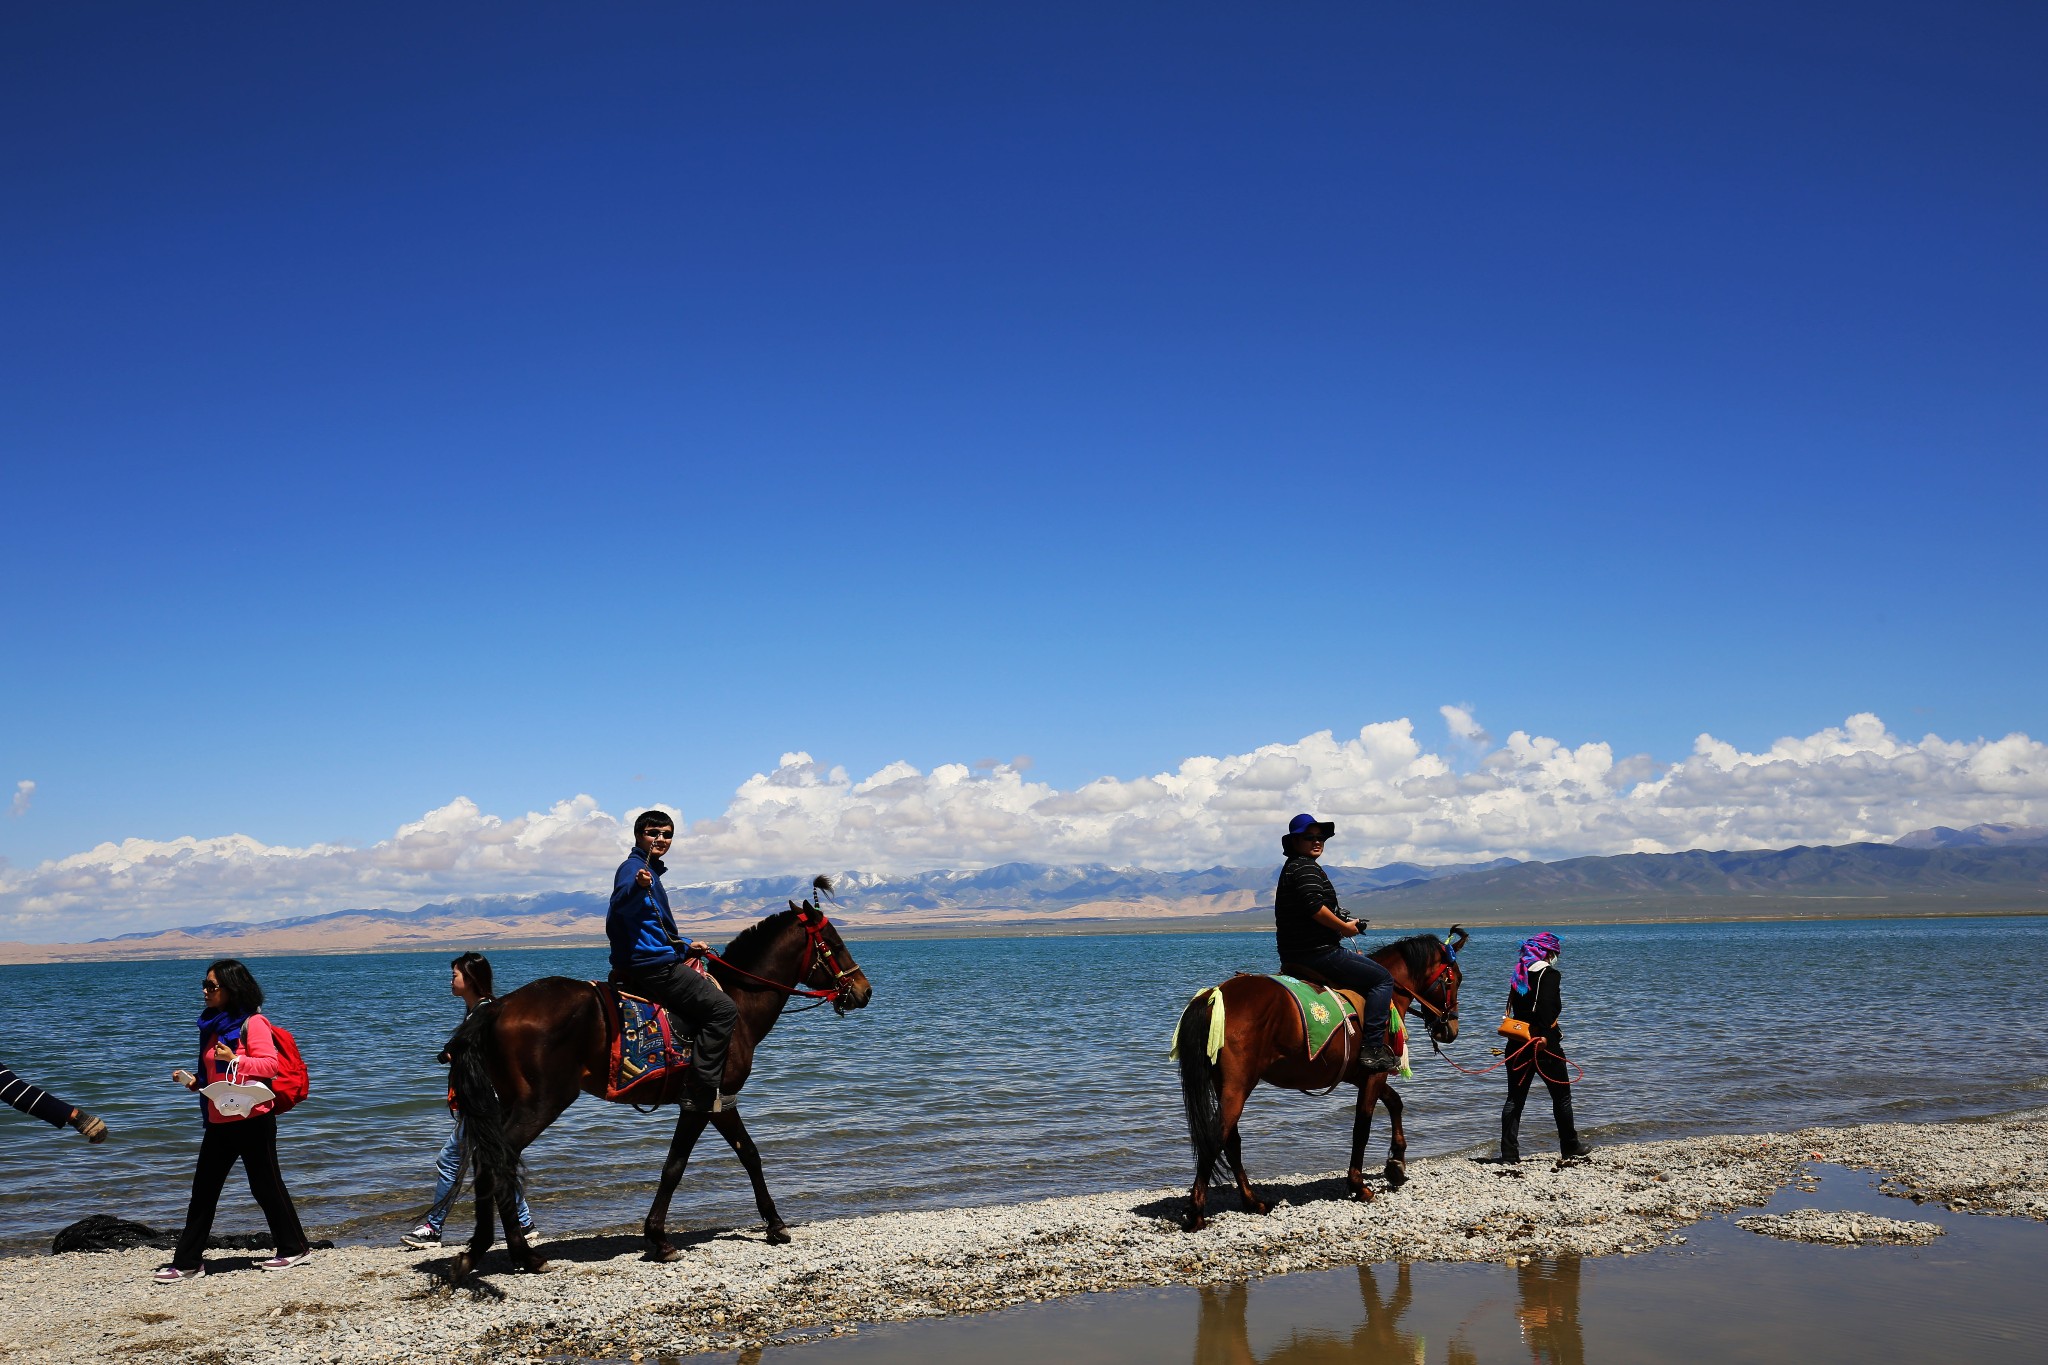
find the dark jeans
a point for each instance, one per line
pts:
(254, 1141)
(701, 1007)
(1547, 1061)
(1357, 972)
(31, 1100)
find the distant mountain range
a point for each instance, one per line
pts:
(1940, 870)
(1976, 836)
(1846, 879)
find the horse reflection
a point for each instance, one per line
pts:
(1549, 1311)
(1224, 1339)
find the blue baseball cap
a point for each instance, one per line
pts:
(1306, 824)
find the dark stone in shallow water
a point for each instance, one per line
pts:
(102, 1232)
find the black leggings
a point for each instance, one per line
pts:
(254, 1141)
(1548, 1061)
(30, 1100)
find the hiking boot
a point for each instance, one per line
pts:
(423, 1238)
(699, 1098)
(1375, 1057)
(1572, 1147)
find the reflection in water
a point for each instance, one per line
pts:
(1549, 1311)
(1224, 1338)
(1547, 1314)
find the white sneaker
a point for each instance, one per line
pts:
(422, 1238)
(281, 1262)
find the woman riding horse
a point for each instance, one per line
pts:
(1311, 928)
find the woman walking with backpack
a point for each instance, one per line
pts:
(235, 1043)
(469, 980)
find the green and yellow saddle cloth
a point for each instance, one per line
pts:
(1324, 1012)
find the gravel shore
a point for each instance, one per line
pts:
(599, 1299)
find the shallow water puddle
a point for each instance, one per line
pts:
(1725, 1295)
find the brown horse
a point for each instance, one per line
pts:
(521, 1060)
(1263, 1041)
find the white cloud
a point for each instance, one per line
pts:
(24, 792)
(1392, 799)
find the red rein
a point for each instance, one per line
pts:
(814, 944)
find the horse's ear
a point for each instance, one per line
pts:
(794, 906)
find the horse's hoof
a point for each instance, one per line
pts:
(533, 1265)
(1258, 1206)
(1196, 1222)
(458, 1271)
(663, 1254)
(778, 1236)
(1397, 1174)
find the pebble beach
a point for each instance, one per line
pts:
(598, 1299)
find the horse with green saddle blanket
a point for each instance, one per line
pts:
(1295, 1033)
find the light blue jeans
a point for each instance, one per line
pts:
(448, 1171)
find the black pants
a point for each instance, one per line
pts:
(705, 1010)
(254, 1140)
(1546, 1060)
(31, 1100)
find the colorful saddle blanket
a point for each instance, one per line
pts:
(649, 1063)
(1324, 1010)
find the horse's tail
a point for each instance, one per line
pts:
(491, 1153)
(1195, 1045)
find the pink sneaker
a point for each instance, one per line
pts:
(170, 1274)
(281, 1262)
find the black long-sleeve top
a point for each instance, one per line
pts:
(1540, 1008)
(1304, 888)
(33, 1100)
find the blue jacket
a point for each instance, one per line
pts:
(642, 931)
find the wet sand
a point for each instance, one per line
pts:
(731, 1291)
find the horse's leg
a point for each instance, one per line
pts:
(521, 1128)
(734, 1130)
(1397, 1150)
(689, 1127)
(1235, 1091)
(1369, 1091)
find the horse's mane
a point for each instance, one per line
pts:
(752, 941)
(1419, 951)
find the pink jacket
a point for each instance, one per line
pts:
(255, 1060)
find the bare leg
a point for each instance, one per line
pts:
(689, 1127)
(1397, 1151)
(1235, 1093)
(734, 1130)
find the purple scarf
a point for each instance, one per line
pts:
(1534, 950)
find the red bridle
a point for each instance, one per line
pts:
(815, 946)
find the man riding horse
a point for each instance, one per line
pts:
(648, 958)
(1311, 927)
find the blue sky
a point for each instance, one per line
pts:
(513, 402)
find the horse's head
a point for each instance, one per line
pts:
(1427, 969)
(827, 965)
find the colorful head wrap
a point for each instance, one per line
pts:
(1535, 949)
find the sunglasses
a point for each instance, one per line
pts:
(209, 985)
(665, 835)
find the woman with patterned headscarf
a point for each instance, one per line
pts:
(1533, 998)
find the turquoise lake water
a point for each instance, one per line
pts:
(995, 1070)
